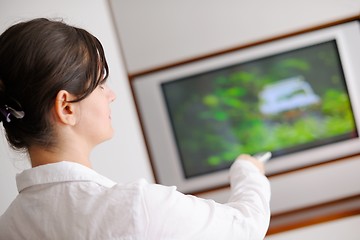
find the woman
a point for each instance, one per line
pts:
(54, 102)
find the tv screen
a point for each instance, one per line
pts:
(282, 103)
(297, 96)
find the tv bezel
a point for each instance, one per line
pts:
(157, 128)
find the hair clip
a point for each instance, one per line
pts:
(17, 114)
(5, 114)
(9, 111)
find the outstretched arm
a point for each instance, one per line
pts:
(173, 215)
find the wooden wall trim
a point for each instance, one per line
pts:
(324, 212)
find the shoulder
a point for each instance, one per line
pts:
(148, 196)
(136, 191)
(142, 189)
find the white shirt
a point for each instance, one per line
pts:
(66, 200)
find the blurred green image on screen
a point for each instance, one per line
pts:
(283, 103)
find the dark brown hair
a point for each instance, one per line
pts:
(38, 58)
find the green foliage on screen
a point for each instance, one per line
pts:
(216, 115)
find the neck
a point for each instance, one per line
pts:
(40, 156)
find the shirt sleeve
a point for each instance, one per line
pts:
(173, 215)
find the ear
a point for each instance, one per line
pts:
(64, 109)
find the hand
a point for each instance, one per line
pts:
(257, 163)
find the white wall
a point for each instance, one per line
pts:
(123, 158)
(158, 32)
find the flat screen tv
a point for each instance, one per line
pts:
(297, 97)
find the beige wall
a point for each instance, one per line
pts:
(160, 32)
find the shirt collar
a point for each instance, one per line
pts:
(59, 172)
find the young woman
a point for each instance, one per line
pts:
(54, 102)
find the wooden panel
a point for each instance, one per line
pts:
(328, 211)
